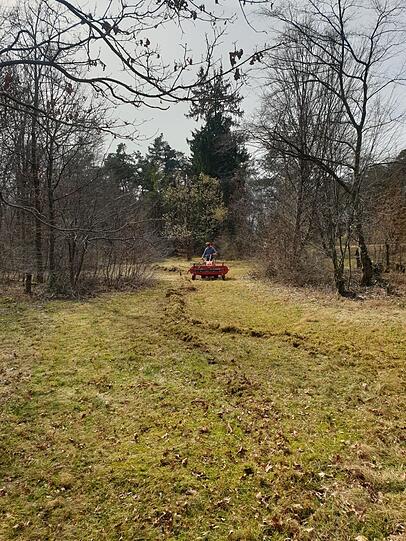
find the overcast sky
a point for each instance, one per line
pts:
(173, 122)
(244, 34)
(247, 32)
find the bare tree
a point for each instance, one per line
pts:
(55, 199)
(386, 211)
(300, 118)
(117, 34)
(350, 48)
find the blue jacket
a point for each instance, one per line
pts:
(209, 251)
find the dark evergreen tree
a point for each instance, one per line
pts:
(122, 169)
(161, 165)
(215, 97)
(217, 149)
(147, 174)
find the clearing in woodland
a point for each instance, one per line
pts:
(203, 410)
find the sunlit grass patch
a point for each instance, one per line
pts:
(213, 410)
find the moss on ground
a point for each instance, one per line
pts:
(203, 410)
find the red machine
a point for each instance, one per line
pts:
(209, 269)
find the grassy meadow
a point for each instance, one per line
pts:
(203, 410)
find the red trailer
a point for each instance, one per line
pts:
(209, 269)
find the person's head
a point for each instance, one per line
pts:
(210, 244)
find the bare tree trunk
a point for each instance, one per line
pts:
(28, 283)
(387, 257)
(51, 218)
(358, 259)
(339, 278)
(349, 263)
(21, 176)
(340, 282)
(36, 182)
(297, 240)
(367, 268)
(72, 254)
(80, 262)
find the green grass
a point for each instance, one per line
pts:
(203, 410)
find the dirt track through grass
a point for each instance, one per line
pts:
(203, 410)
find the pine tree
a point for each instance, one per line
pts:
(121, 167)
(161, 165)
(217, 149)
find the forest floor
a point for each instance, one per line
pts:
(203, 410)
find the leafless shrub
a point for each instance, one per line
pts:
(276, 261)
